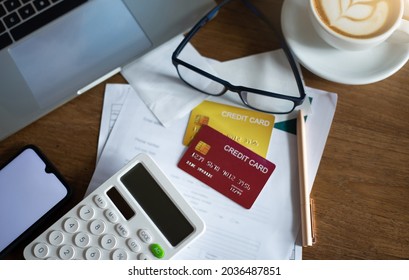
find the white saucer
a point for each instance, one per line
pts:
(354, 68)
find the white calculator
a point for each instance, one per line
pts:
(136, 214)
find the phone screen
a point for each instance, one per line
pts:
(30, 187)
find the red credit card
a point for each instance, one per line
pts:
(226, 166)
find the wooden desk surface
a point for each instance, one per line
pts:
(361, 190)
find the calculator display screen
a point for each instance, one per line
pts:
(157, 204)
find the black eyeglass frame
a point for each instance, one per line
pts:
(240, 89)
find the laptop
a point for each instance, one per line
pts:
(53, 50)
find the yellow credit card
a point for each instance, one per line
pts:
(250, 128)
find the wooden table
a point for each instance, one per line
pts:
(361, 191)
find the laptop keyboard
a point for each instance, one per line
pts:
(19, 18)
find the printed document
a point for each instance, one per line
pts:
(269, 229)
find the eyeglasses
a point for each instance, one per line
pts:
(260, 100)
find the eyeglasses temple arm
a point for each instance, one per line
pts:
(284, 46)
(209, 16)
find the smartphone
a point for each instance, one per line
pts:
(30, 190)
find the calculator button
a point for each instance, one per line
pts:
(119, 254)
(133, 245)
(55, 237)
(143, 257)
(111, 216)
(40, 250)
(82, 239)
(92, 254)
(100, 201)
(157, 250)
(86, 212)
(145, 236)
(71, 225)
(97, 227)
(108, 241)
(66, 252)
(122, 230)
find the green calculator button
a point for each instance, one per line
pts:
(157, 250)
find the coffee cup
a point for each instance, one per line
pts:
(355, 25)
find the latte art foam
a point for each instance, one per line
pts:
(357, 18)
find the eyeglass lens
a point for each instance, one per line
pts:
(252, 99)
(266, 103)
(200, 82)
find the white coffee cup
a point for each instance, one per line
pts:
(355, 25)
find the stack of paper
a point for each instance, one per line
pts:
(270, 228)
